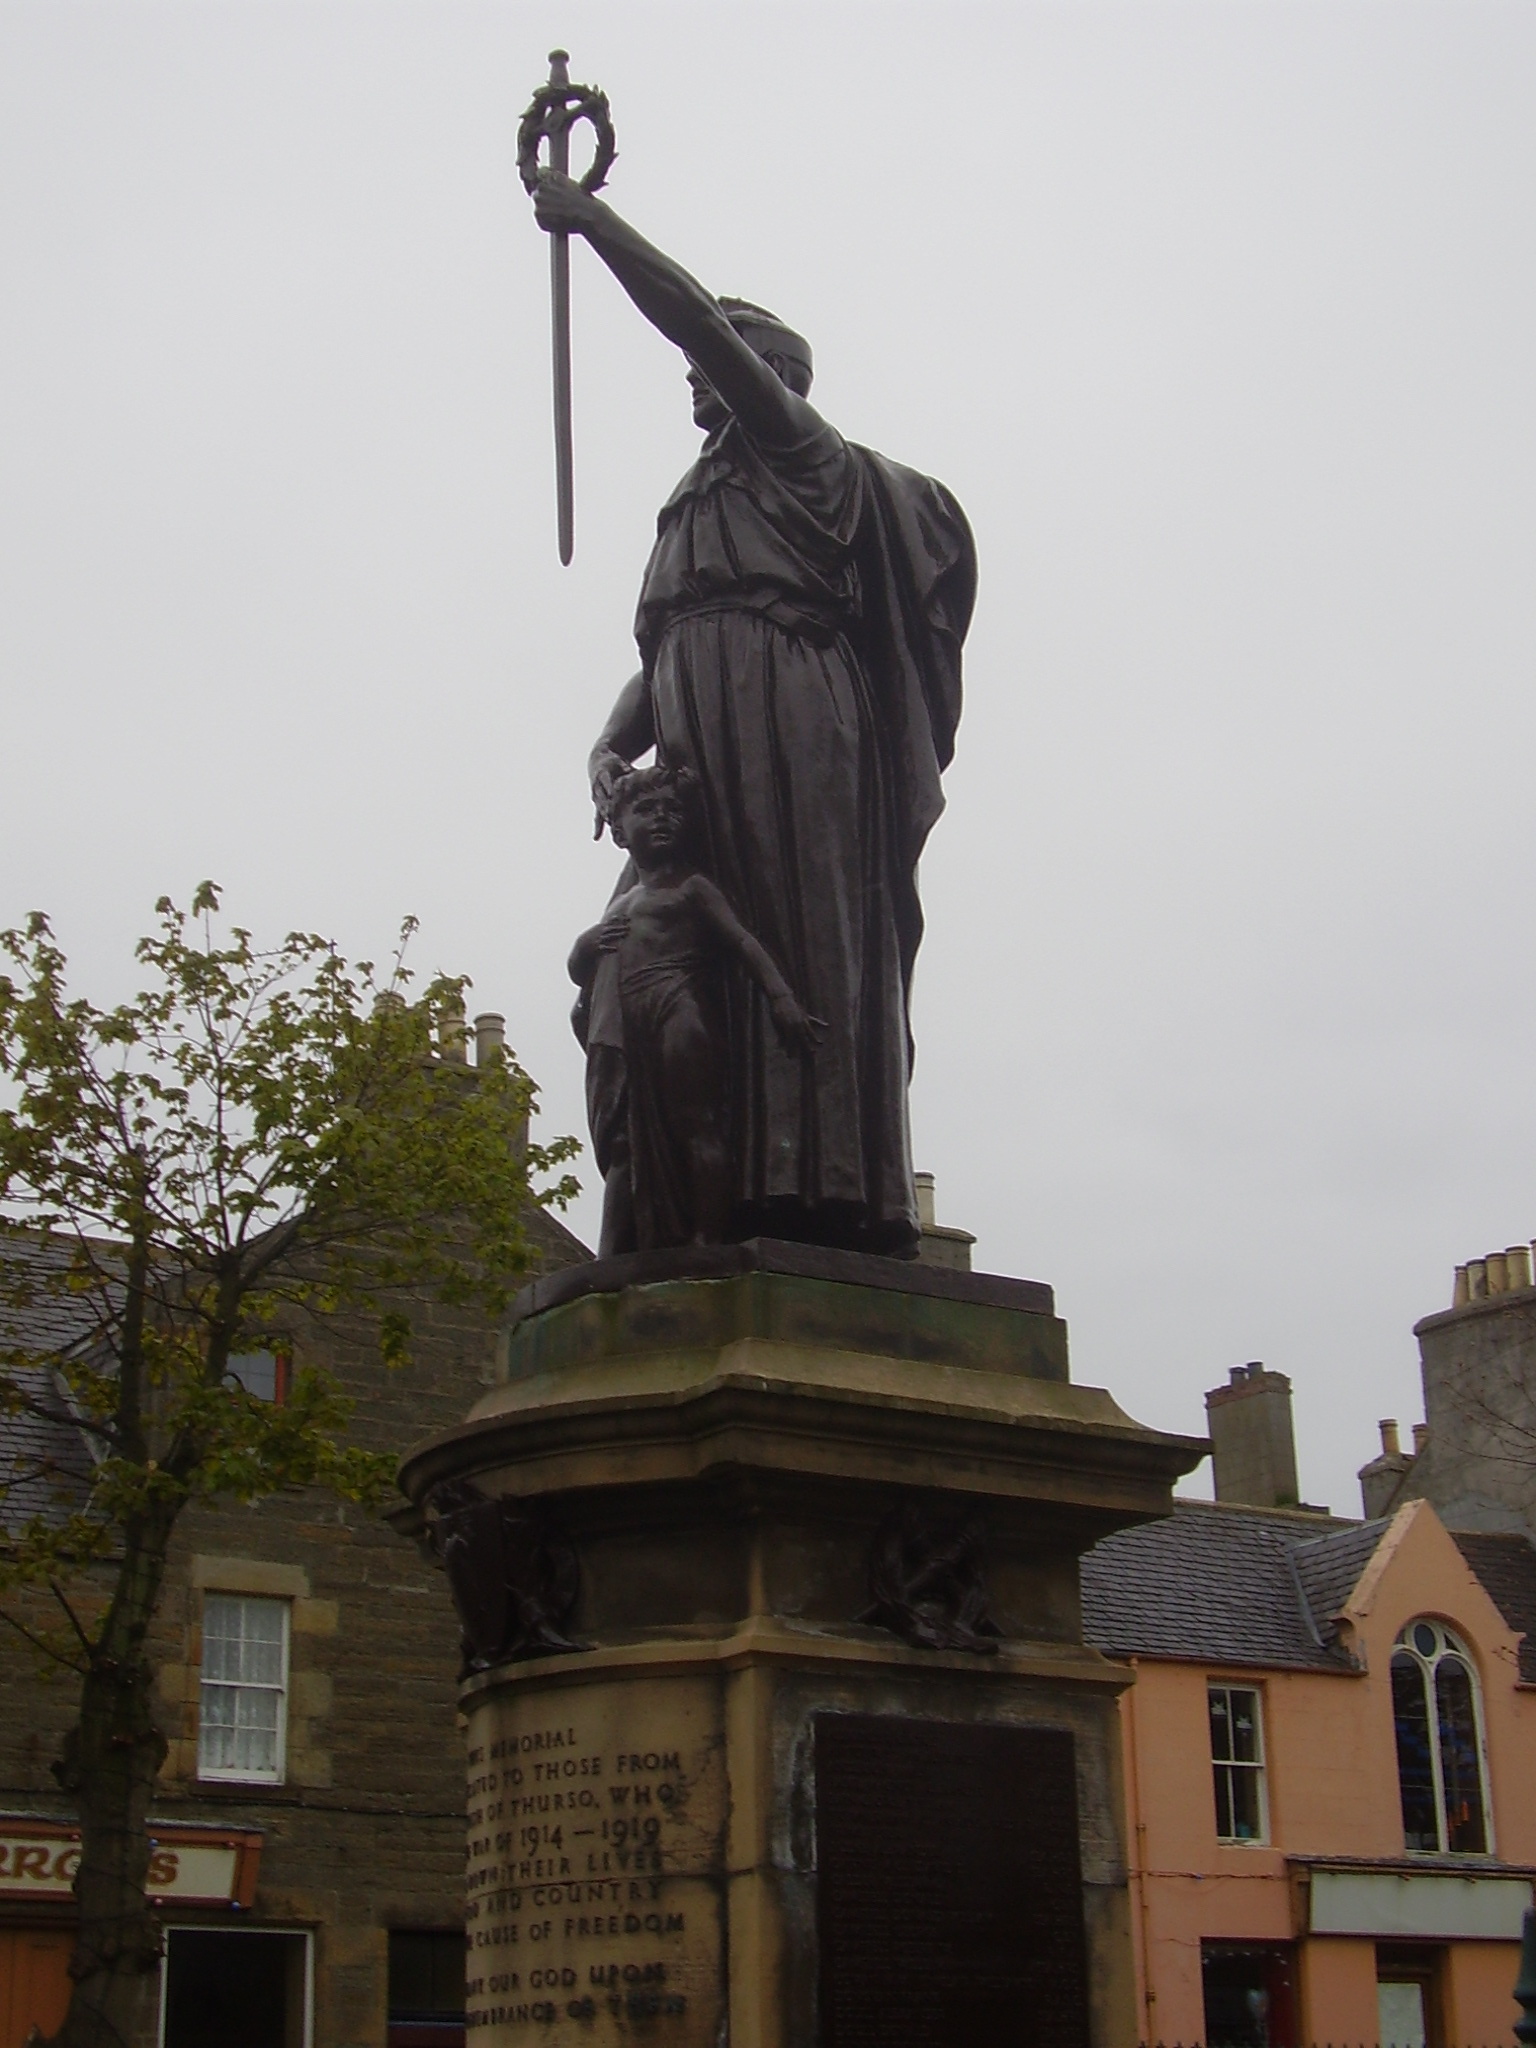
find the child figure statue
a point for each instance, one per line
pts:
(652, 1018)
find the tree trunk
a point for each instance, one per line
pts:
(110, 1763)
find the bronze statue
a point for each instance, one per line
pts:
(800, 626)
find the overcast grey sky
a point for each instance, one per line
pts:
(1221, 322)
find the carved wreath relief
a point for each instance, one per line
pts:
(928, 1581)
(513, 1573)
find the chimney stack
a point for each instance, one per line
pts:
(1253, 1443)
(940, 1244)
(1383, 1476)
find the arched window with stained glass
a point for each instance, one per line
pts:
(1441, 1769)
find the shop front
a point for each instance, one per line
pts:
(207, 1870)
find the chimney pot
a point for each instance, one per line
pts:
(490, 1037)
(1517, 1266)
(1461, 1294)
(451, 1035)
(1420, 1438)
(1498, 1273)
(1477, 1280)
(1391, 1444)
(927, 1206)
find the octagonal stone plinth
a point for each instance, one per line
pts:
(775, 1477)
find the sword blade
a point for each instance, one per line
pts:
(560, 330)
(560, 302)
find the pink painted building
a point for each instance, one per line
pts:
(1330, 1770)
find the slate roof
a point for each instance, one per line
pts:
(44, 1459)
(1226, 1585)
(1329, 1569)
(52, 1318)
(1506, 1564)
(1222, 1584)
(44, 1456)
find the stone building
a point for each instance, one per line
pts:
(1474, 1455)
(310, 1819)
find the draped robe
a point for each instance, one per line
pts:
(800, 623)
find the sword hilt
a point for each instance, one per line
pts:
(552, 112)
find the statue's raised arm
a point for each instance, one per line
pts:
(799, 628)
(751, 388)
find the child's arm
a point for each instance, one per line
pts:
(794, 1025)
(582, 964)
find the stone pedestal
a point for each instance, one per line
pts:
(831, 1764)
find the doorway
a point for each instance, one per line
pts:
(1408, 1996)
(1249, 1993)
(228, 1989)
(34, 1981)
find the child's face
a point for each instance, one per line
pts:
(654, 824)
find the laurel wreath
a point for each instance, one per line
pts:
(557, 107)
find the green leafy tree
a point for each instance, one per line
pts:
(263, 1135)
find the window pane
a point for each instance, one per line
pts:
(1247, 1811)
(255, 1709)
(1224, 1802)
(1400, 2015)
(256, 1752)
(1221, 1724)
(1465, 1833)
(221, 1658)
(221, 1637)
(1245, 1726)
(256, 1732)
(261, 1663)
(426, 1975)
(1415, 1772)
(262, 1620)
(256, 1371)
(216, 1730)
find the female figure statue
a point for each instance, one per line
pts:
(799, 626)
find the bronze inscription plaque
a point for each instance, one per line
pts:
(949, 1899)
(596, 1866)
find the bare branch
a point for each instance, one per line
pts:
(74, 1620)
(46, 1649)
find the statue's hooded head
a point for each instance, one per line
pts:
(768, 336)
(786, 353)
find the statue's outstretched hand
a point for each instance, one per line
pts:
(800, 1031)
(560, 206)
